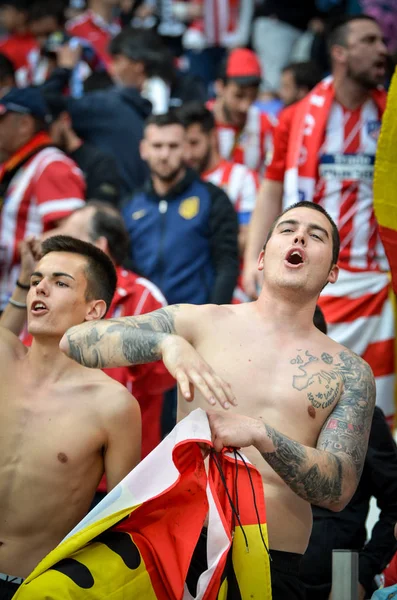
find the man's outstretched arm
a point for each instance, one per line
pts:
(327, 475)
(164, 334)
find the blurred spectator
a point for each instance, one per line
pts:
(98, 26)
(140, 59)
(202, 154)
(18, 42)
(240, 183)
(183, 230)
(46, 21)
(221, 25)
(245, 134)
(161, 15)
(99, 169)
(110, 119)
(39, 184)
(331, 161)
(277, 28)
(7, 75)
(297, 79)
(102, 225)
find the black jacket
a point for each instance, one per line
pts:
(110, 119)
(346, 530)
(100, 172)
(185, 242)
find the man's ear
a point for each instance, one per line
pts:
(260, 260)
(142, 149)
(333, 274)
(96, 310)
(219, 86)
(102, 244)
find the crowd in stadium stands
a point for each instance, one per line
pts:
(170, 134)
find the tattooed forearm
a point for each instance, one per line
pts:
(313, 475)
(121, 342)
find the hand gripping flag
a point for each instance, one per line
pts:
(385, 181)
(138, 543)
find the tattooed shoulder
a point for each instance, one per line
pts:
(348, 426)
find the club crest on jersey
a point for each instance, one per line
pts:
(373, 129)
(190, 207)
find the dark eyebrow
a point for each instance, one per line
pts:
(38, 274)
(311, 226)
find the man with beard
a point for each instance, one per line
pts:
(324, 152)
(245, 134)
(183, 230)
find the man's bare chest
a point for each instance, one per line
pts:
(287, 387)
(53, 429)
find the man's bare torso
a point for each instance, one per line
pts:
(292, 384)
(51, 460)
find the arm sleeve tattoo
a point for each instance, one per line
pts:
(121, 342)
(328, 475)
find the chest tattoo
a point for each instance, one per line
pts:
(318, 377)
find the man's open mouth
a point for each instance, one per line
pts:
(295, 257)
(38, 306)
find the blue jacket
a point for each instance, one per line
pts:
(186, 241)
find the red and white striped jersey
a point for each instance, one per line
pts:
(240, 184)
(360, 315)
(345, 184)
(48, 187)
(251, 146)
(97, 31)
(220, 18)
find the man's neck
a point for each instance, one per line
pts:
(350, 93)
(47, 364)
(213, 162)
(103, 10)
(220, 113)
(286, 311)
(162, 187)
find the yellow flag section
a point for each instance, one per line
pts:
(138, 543)
(385, 181)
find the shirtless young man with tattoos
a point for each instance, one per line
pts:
(61, 424)
(305, 402)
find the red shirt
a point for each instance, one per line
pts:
(135, 296)
(94, 29)
(17, 48)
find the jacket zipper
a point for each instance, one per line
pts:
(163, 207)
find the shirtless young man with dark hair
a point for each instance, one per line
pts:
(305, 403)
(62, 424)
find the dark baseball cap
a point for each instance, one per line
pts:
(26, 101)
(243, 66)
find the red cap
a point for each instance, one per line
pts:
(243, 63)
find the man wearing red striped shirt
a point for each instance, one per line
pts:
(328, 158)
(39, 184)
(98, 26)
(245, 134)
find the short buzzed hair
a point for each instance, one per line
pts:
(100, 272)
(196, 113)
(320, 209)
(164, 120)
(339, 30)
